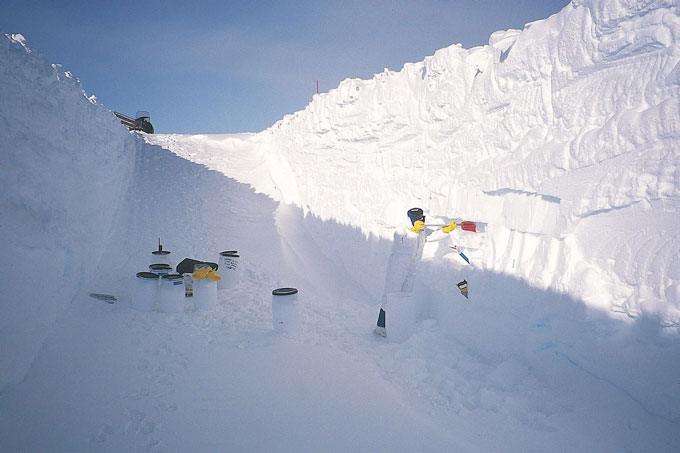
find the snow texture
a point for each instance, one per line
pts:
(560, 140)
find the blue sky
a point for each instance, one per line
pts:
(204, 66)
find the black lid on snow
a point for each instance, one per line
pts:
(147, 275)
(284, 291)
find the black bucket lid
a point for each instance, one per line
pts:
(161, 252)
(172, 277)
(284, 292)
(229, 253)
(160, 266)
(147, 275)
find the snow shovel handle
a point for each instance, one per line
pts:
(466, 225)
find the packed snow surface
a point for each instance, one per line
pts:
(560, 140)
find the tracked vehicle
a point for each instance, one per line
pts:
(141, 122)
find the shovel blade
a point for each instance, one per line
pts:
(469, 226)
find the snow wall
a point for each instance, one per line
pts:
(83, 203)
(66, 164)
(563, 138)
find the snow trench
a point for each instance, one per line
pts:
(559, 140)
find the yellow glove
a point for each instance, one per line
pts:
(213, 276)
(206, 272)
(450, 227)
(418, 226)
(200, 274)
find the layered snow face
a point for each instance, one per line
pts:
(562, 137)
(65, 165)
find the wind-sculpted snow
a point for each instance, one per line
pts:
(575, 116)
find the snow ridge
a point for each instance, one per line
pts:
(536, 134)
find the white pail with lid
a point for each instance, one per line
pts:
(229, 269)
(145, 291)
(171, 295)
(285, 310)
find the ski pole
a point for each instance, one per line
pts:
(464, 225)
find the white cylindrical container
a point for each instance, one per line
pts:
(205, 294)
(160, 269)
(171, 294)
(229, 269)
(145, 291)
(161, 257)
(285, 310)
(401, 315)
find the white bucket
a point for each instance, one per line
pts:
(161, 257)
(160, 269)
(205, 294)
(401, 316)
(285, 310)
(145, 291)
(228, 269)
(171, 294)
